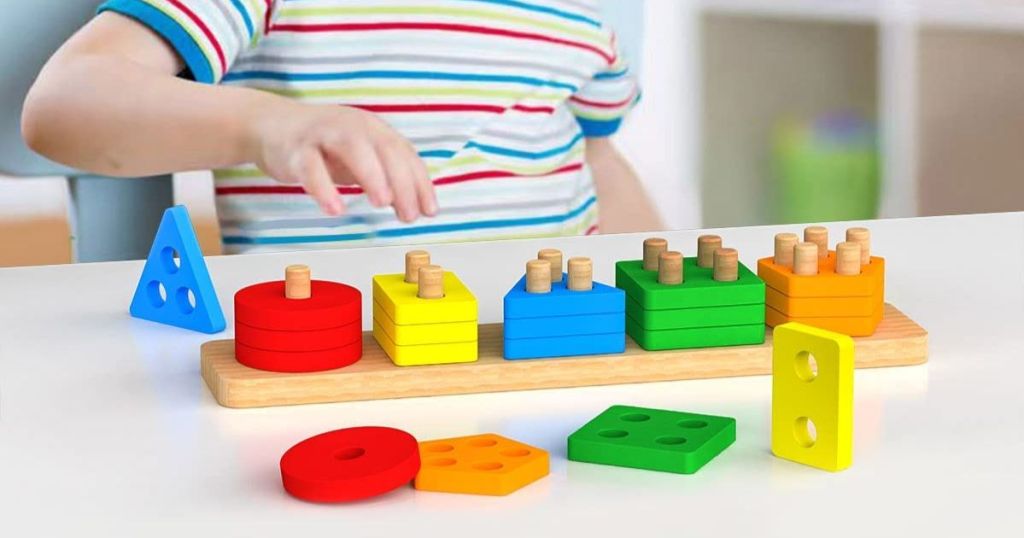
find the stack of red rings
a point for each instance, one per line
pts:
(278, 334)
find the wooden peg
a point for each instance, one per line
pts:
(805, 259)
(706, 246)
(861, 236)
(784, 244)
(726, 265)
(431, 282)
(538, 276)
(414, 259)
(297, 282)
(848, 258)
(653, 248)
(819, 236)
(670, 268)
(554, 257)
(581, 274)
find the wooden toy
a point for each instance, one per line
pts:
(298, 324)
(350, 464)
(551, 314)
(486, 464)
(841, 290)
(424, 316)
(652, 439)
(175, 286)
(687, 302)
(812, 396)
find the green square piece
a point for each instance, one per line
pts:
(699, 288)
(694, 318)
(733, 335)
(652, 439)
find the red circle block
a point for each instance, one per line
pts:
(350, 464)
(299, 361)
(298, 340)
(330, 305)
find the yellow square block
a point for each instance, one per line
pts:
(424, 354)
(487, 464)
(433, 333)
(398, 299)
(812, 396)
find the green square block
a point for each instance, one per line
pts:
(652, 439)
(734, 335)
(699, 289)
(695, 318)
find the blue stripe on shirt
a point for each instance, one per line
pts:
(380, 74)
(543, 9)
(535, 155)
(245, 17)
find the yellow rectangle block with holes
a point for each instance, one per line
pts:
(812, 396)
(432, 333)
(425, 354)
(399, 300)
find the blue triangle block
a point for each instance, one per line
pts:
(175, 286)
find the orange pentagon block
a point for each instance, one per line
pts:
(821, 307)
(848, 325)
(487, 464)
(826, 283)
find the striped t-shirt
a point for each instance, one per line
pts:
(497, 96)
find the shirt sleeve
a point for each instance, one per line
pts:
(602, 103)
(208, 34)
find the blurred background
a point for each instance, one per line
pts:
(754, 112)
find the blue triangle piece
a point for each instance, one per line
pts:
(167, 282)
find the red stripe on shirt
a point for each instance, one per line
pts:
(440, 107)
(448, 180)
(266, 17)
(465, 28)
(206, 31)
(592, 230)
(599, 104)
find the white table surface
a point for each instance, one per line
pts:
(105, 423)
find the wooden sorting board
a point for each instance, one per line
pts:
(899, 341)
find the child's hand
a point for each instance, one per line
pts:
(321, 147)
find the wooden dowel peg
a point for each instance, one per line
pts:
(861, 236)
(848, 258)
(653, 248)
(581, 274)
(538, 276)
(706, 246)
(554, 257)
(784, 245)
(805, 259)
(430, 282)
(414, 259)
(819, 236)
(670, 268)
(297, 282)
(726, 265)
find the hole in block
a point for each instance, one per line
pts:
(482, 443)
(170, 260)
(613, 434)
(442, 462)
(350, 453)
(805, 432)
(440, 448)
(636, 417)
(692, 424)
(186, 300)
(488, 466)
(515, 452)
(157, 294)
(670, 440)
(806, 366)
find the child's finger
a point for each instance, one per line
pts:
(361, 161)
(395, 160)
(317, 182)
(424, 187)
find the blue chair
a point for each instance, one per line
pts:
(112, 219)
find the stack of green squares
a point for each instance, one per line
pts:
(699, 312)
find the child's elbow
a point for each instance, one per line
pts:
(37, 131)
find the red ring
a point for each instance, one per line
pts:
(330, 305)
(318, 340)
(350, 464)
(299, 361)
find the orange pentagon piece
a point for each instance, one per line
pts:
(487, 464)
(826, 283)
(850, 325)
(822, 307)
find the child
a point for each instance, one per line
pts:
(488, 118)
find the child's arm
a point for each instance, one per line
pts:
(624, 204)
(109, 102)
